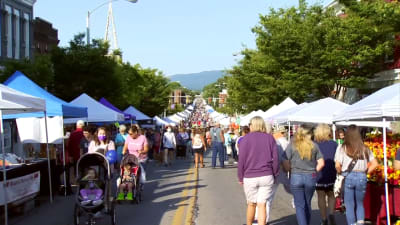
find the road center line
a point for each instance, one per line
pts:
(183, 204)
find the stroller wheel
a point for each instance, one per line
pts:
(77, 215)
(113, 215)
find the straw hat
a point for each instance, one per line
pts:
(279, 129)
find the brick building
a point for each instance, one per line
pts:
(44, 36)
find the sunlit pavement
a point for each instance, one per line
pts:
(221, 201)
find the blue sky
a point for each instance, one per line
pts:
(175, 36)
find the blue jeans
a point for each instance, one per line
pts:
(302, 186)
(355, 185)
(217, 148)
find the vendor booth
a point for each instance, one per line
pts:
(159, 122)
(97, 112)
(382, 195)
(142, 118)
(13, 102)
(33, 129)
(108, 104)
(285, 105)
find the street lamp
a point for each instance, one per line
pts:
(90, 12)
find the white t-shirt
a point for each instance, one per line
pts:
(283, 142)
(345, 160)
(169, 140)
(94, 148)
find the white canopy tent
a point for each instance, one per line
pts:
(175, 118)
(283, 117)
(244, 121)
(225, 121)
(160, 122)
(215, 114)
(383, 105)
(97, 112)
(320, 111)
(285, 105)
(271, 111)
(13, 102)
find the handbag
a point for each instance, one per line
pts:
(338, 186)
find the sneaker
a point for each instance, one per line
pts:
(97, 215)
(120, 196)
(86, 202)
(234, 163)
(129, 196)
(324, 222)
(97, 202)
(293, 205)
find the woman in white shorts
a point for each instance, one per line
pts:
(257, 168)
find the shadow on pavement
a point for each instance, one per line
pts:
(161, 197)
(315, 219)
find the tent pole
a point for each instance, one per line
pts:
(334, 131)
(48, 157)
(289, 131)
(386, 175)
(4, 171)
(65, 169)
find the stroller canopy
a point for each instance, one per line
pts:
(130, 159)
(93, 160)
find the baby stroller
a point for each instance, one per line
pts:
(135, 173)
(98, 163)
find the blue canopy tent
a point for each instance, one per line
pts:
(108, 104)
(54, 105)
(140, 117)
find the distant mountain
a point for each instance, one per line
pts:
(196, 81)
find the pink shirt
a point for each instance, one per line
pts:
(135, 145)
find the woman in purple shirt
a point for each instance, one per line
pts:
(257, 168)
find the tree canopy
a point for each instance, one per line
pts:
(78, 68)
(308, 52)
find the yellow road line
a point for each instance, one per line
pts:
(180, 211)
(190, 210)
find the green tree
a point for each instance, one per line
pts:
(80, 68)
(307, 53)
(39, 70)
(154, 92)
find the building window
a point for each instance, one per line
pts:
(17, 34)
(9, 31)
(27, 35)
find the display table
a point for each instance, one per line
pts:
(375, 205)
(40, 165)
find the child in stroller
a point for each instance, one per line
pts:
(92, 193)
(128, 178)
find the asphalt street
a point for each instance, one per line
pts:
(222, 202)
(169, 198)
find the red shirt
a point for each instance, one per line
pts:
(74, 144)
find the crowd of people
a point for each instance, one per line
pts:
(307, 163)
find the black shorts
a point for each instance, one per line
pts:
(198, 150)
(324, 187)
